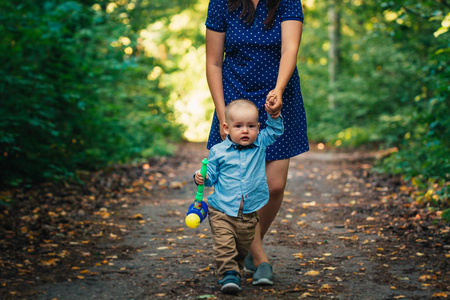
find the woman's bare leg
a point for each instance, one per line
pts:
(276, 172)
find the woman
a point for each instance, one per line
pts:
(251, 53)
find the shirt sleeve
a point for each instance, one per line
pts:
(212, 169)
(291, 10)
(216, 17)
(274, 129)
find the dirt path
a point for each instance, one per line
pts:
(342, 233)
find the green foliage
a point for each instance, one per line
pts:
(74, 88)
(393, 85)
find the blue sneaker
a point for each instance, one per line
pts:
(263, 275)
(231, 283)
(249, 267)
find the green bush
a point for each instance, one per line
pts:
(73, 94)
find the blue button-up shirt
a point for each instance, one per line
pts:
(237, 174)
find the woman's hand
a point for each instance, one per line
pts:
(223, 135)
(274, 103)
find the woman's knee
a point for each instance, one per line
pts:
(276, 188)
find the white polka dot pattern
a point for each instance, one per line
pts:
(250, 70)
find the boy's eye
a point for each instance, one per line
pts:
(237, 126)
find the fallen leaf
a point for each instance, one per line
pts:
(312, 273)
(443, 295)
(424, 278)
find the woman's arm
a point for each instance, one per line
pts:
(215, 42)
(291, 34)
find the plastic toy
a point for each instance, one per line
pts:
(199, 209)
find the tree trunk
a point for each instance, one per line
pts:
(333, 53)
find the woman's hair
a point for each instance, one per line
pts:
(248, 10)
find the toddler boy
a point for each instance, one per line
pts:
(237, 170)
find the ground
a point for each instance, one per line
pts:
(343, 232)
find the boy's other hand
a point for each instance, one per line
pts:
(199, 178)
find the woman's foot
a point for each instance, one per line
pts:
(263, 275)
(249, 266)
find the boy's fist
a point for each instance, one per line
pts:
(199, 178)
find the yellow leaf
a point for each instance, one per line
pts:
(419, 254)
(327, 254)
(393, 288)
(85, 272)
(80, 277)
(330, 268)
(298, 255)
(50, 262)
(75, 268)
(424, 278)
(444, 295)
(312, 273)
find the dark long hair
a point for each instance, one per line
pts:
(248, 10)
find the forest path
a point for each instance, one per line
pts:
(342, 233)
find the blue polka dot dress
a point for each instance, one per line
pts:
(250, 70)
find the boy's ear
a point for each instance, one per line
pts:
(225, 128)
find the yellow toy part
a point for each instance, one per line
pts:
(192, 220)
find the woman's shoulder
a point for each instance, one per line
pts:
(291, 10)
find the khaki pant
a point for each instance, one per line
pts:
(232, 238)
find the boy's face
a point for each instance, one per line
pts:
(242, 126)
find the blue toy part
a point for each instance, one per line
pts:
(201, 213)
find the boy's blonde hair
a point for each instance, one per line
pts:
(239, 104)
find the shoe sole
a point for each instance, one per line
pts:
(230, 288)
(263, 281)
(249, 271)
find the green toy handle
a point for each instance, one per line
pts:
(199, 196)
